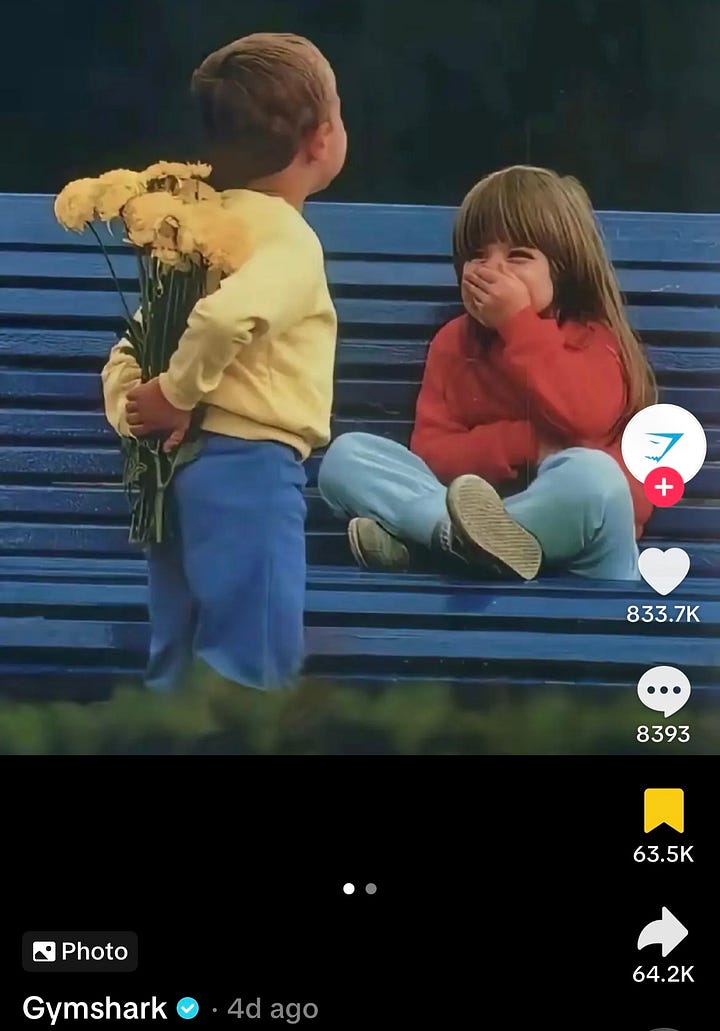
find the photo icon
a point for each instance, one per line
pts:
(44, 952)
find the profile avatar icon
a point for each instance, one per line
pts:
(663, 435)
(670, 440)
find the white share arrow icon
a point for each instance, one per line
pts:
(667, 932)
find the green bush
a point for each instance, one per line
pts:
(322, 718)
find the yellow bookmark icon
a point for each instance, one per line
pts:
(665, 805)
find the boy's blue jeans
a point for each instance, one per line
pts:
(578, 507)
(231, 589)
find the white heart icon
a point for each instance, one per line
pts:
(664, 570)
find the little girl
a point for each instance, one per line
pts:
(514, 462)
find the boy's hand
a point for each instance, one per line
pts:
(149, 412)
(492, 297)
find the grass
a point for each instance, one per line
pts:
(215, 717)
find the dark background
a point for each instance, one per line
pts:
(517, 897)
(625, 94)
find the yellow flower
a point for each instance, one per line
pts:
(177, 169)
(220, 236)
(144, 215)
(192, 190)
(185, 239)
(171, 258)
(153, 220)
(116, 189)
(182, 230)
(106, 197)
(75, 204)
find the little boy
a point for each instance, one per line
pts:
(259, 353)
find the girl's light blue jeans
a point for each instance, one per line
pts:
(578, 507)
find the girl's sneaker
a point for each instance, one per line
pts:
(486, 533)
(375, 548)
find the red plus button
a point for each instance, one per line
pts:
(664, 486)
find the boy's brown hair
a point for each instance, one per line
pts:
(258, 97)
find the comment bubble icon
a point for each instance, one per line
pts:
(664, 689)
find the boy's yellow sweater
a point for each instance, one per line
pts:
(259, 350)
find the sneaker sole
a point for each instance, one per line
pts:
(371, 559)
(485, 528)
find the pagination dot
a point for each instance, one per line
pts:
(371, 888)
(348, 888)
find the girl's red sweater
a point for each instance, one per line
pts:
(488, 401)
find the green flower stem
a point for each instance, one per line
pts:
(167, 298)
(94, 231)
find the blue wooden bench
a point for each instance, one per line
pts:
(73, 592)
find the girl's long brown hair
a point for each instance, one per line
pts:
(535, 207)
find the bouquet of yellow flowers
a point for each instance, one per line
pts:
(180, 232)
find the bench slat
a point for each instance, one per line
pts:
(88, 464)
(85, 464)
(323, 547)
(383, 399)
(24, 424)
(133, 569)
(616, 653)
(384, 356)
(66, 463)
(43, 634)
(40, 425)
(342, 274)
(349, 656)
(20, 302)
(405, 229)
(132, 635)
(448, 608)
(20, 342)
(490, 646)
(688, 519)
